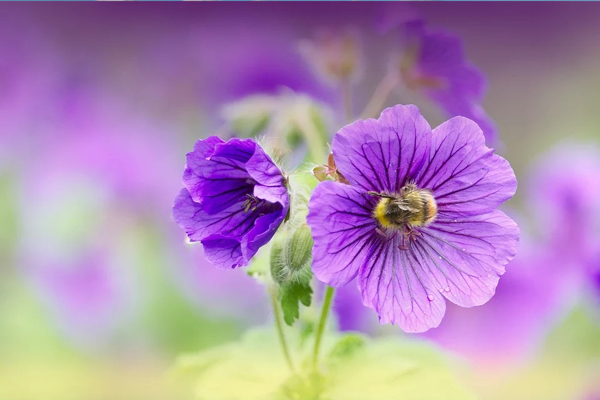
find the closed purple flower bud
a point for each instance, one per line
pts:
(418, 222)
(234, 200)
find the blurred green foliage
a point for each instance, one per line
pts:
(355, 368)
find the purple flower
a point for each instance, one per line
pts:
(234, 200)
(565, 198)
(418, 221)
(89, 297)
(433, 62)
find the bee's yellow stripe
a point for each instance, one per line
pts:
(379, 212)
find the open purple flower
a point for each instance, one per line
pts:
(433, 62)
(234, 199)
(418, 221)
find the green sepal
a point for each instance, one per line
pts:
(290, 269)
(291, 258)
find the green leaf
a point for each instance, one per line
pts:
(291, 295)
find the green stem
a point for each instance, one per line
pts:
(321, 328)
(279, 325)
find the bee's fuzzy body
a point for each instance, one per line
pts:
(414, 207)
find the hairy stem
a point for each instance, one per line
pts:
(279, 325)
(327, 301)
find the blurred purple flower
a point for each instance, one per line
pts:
(234, 200)
(385, 227)
(433, 62)
(87, 297)
(594, 272)
(565, 198)
(527, 302)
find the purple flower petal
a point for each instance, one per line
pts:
(195, 161)
(341, 223)
(393, 282)
(382, 154)
(198, 224)
(269, 181)
(206, 169)
(223, 252)
(265, 227)
(464, 175)
(465, 257)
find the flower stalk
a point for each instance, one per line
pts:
(280, 333)
(327, 301)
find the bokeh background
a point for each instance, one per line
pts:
(99, 104)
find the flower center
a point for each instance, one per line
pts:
(412, 207)
(262, 207)
(251, 203)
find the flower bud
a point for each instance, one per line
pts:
(291, 258)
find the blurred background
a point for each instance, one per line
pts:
(100, 103)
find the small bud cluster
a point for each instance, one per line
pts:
(329, 171)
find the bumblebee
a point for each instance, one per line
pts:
(413, 207)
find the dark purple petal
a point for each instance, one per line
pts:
(217, 197)
(341, 223)
(198, 224)
(393, 283)
(265, 227)
(382, 154)
(234, 151)
(465, 176)
(269, 180)
(223, 252)
(196, 159)
(465, 257)
(209, 166)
